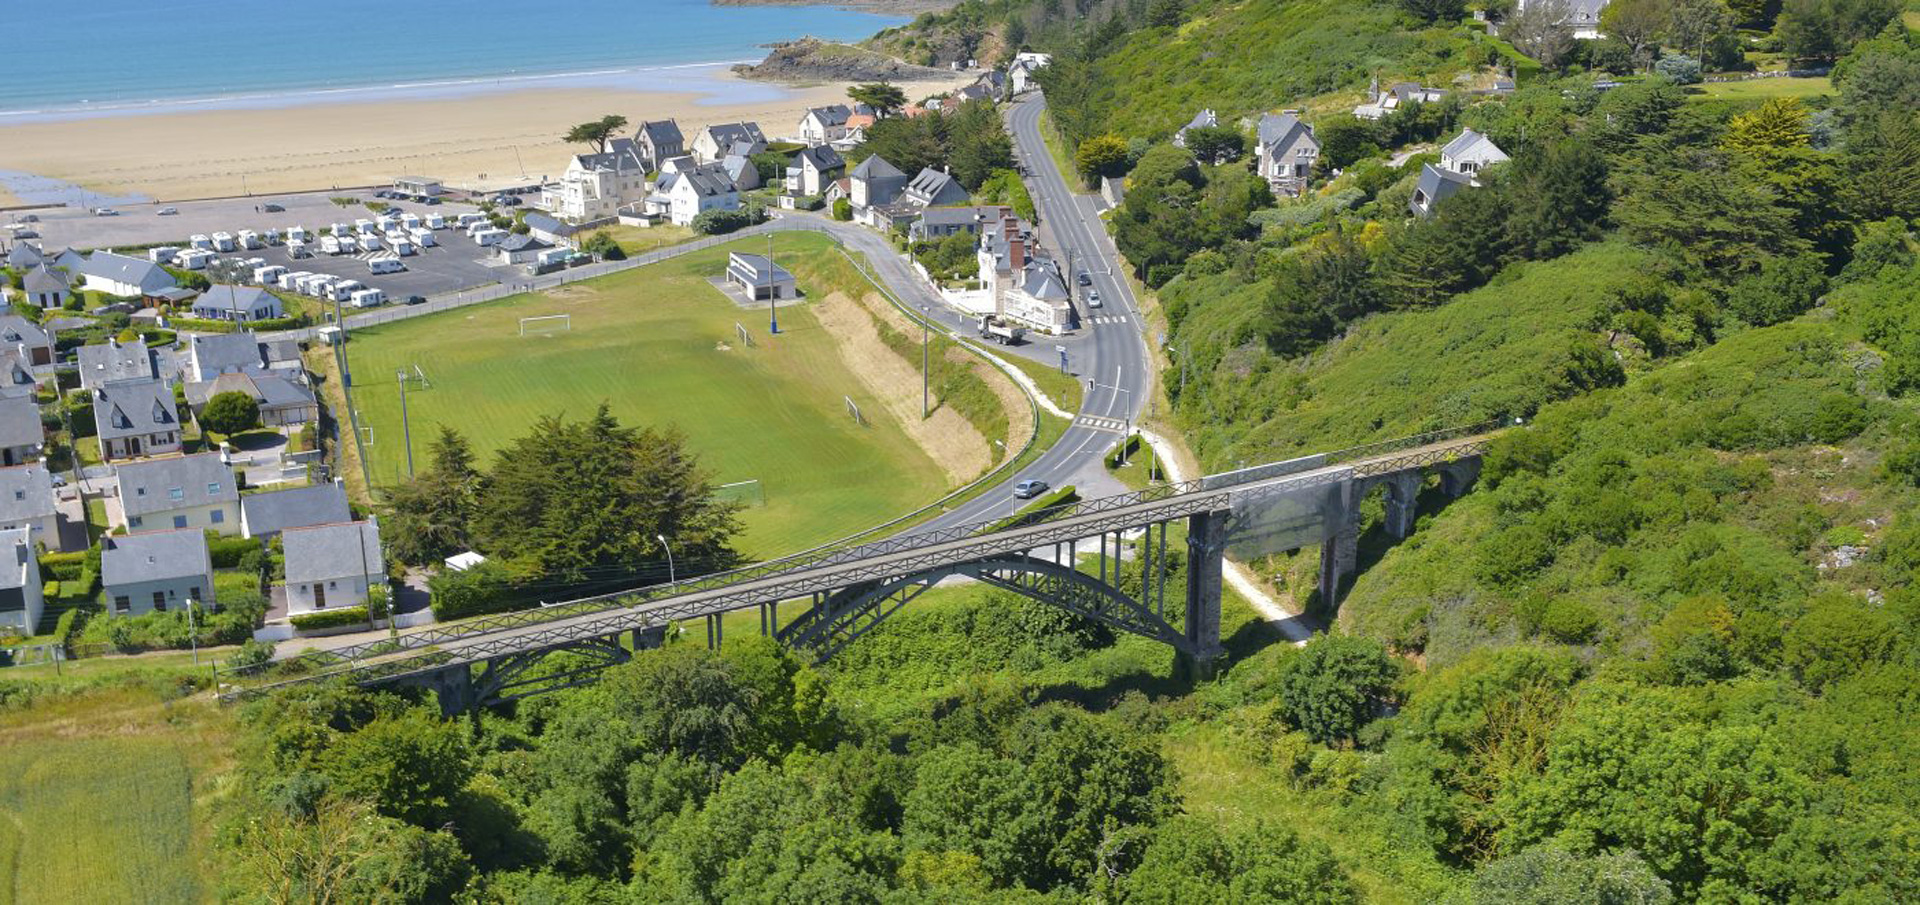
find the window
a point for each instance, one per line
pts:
(139, 491)
(19, 494)
(319, 596)
(160, 601)
(176, 493)
(133, 522)
(213, 488)
(121, 604)
(193, 593)
(218, 516)
(179, 521)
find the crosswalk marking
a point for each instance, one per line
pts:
(1103, 424)
(1107, 320)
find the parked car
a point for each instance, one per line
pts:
(105, 212)
(166, 212)
(273, 208)
(30, 218)
(1026, 490)
(416, 299)
(1086, 279)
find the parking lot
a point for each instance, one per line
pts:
(141, 224)
(454, 265)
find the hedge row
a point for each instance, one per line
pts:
(353, 615)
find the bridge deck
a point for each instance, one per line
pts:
(430, 650)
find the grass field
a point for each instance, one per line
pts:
(659, 345)
(1761, 89)
(636, 239)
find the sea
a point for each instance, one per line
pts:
(132, 57)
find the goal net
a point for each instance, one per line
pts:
(746, 339)
(546, 324)
(746, 493)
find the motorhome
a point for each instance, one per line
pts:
(369, 298)
(410, 220)
(269, 275)
(298, 248)
(490, 236)
(467, 219)
(342, 229)
(271, 237)
(349, 245)
(298, 234)
(290, 280)
(193, 260)
(249, 239)
(554, 256)
(402, 247)
(363, 226)
(223, 241)
(478, 226)
(201, 242)
(436, 221)
(163, 255)
(423, 237)
(329, 245)
(385, 265)
(370, 242)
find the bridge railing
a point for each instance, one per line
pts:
(433, 636)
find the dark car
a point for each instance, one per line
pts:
(416, 299)
(273, 208)
(1026, 490)
(1086, 279)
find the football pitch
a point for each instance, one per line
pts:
(659, 344)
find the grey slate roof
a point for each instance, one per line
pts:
(662, 134)
(134, 408)
(832, 114)
(24, 254)
(155, 556)
(270, 390)
(1280, 129)
(621, 154)
(956, 216)
(726, 135)
(1473, 146)
(931, 187)
(16, 372)
(523, 242)
(875, 167)
(548, 224)
(115, 361)
(742, 171)
(17, 329)
(706, 180)
(823, 157)
(135, 271)
(217, 353)
(163, 485)
(249, 299)
(26, 494)
(762, 269)
(1436, 185)
(13, 560)
(331, 552)
(42, 279)
(20, 422)
(302, 507)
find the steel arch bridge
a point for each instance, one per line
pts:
(1105, 559)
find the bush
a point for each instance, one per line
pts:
(719, 222)
(252, 653)
(842, 209)
(485, 588)
(64, 566)
(353, 615)
(229, 552)
(602, 246)
(1683, 70)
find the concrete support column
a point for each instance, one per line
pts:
(1403, 494)
(649, 638)
(453, 685)
(1206, 550)
(713, 632)
(1457, 476)
(1340, 553)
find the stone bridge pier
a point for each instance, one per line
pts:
(1339, 555)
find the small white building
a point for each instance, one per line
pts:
(21, 597)
(332, 566)
(113, 274)
(822, 125)
(1020, 71)
(759, 277)
(689, 191)
(238, 304)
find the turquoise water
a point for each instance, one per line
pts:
(131, 56)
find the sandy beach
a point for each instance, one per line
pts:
(478, 140)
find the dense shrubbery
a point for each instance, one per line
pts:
(345, 616)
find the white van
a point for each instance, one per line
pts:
(370, 242)
(298, 234)
(490, 237)
(194, 260)
(271, 237)
(385, 265)
(369, 298)
(298, 248)
(163, 255)
(409, 220)
(292, 279)
(363, 226)
(349, 245)
(436, 221)
(401, 247)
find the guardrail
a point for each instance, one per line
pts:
(831, 555)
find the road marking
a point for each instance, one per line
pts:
(1107, 320)
(1101, 424)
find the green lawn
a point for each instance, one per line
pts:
(1761, 89)
(659, 344)
(96, 820)
(1057, 149)
(637, 239)
(1064, 389)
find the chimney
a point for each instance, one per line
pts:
(1016, 253)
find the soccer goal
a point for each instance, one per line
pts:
(746, 493)
(546, 324)
(853, 411)
(421, 376)
(746, 338)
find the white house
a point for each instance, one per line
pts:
(1287, 152)
(238, 304)
(104, 271)
(1020, 71)
(332, 566)
(658, 140)
(812, 169)
(1026, 284)
(136, 418)
(719, 141)
(874, 182)
(822, 125)
(114, 362)
(1461, 161)
(688, 190)
(197, 491)
(759, 277)
(145, 573)
(27, 501)
(598, 185)
(45, 287)
(1582, 18)
(21, 598)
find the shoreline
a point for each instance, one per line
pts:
(468, 136)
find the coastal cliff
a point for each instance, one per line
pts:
(814, 60)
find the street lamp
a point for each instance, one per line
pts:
(671, 577)
(926, 376)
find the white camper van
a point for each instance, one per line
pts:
(385, 265)
(223, 241)
(163, 255)
(369, 298)
(249, 239)
(201, 242)
(330, 245)
(269, 276)
(423, 237)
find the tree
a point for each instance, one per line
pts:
(977, 144)
(886, 99)
(409, 767)
(430, 515)
(911, 144)
(1778, 123)
(1707, 215)
(1784, 287)
(1883, 160)
(1432, 11)
(1678, 68)
(598, 132)
(1555, 876)
(1335, 685)
(1539, 30)
(1636, 23)
(1828, 29)
(230, 413)
(342, 853)
(1344, 139)
(1166, 13)
(842, 209)
(1101, 156)
(1188, 859)
(1215, 145)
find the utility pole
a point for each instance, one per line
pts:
(406, 429)
(773, 304)
(926, 375)
(193, 635)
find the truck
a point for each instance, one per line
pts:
(995, 329)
